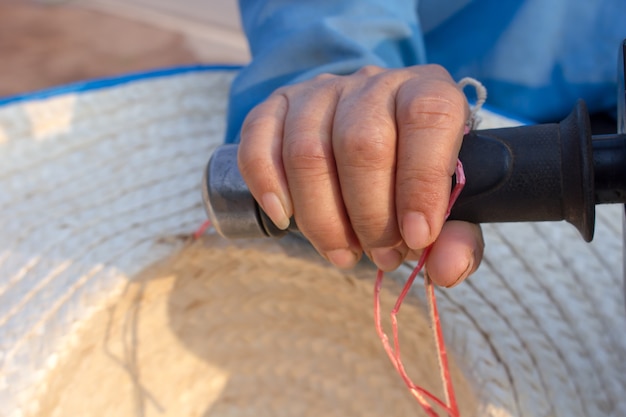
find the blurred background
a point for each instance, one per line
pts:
(45, 43)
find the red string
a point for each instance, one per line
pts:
(420, 394)
(202, 229)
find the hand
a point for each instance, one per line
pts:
(364, 163)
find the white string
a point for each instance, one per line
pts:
(481, 96)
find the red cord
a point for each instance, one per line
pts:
(202, 229)
(421, 395)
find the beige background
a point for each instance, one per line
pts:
(50, 43)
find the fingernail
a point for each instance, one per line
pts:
(386, 259)
(275, 210)
(342, 258)
(464, 275)
(415, 230)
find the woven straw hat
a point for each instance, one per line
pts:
(109, 308)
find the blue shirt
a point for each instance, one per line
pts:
(536, 57)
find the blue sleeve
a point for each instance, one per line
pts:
(291, 41)
(536, 57)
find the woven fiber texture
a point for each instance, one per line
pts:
(109, 308)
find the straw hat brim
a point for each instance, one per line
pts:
(108, 308)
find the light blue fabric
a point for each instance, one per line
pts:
(536, 57)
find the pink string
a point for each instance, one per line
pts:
(420, 394)
(202, 229)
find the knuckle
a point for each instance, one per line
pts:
(369, 70)
(362, 151)
(367, 145)
(321, 85)
(302, 125)
(324, 77)
(304, 154)
(436, 70)
(441, 108)
(264, 116)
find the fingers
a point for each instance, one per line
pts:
(456, 253)
(260, 159)
(286, 158)
(364, 144)
(395, 141)
(363, 162)
(311, 172)
(431, 118)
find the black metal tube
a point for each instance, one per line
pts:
(609, 160)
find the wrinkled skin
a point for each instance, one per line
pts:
(364, 163)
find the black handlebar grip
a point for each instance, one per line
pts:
(530, 173)
(527, 173)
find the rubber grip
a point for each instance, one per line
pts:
(530, 173)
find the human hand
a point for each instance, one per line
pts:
(364, 163)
